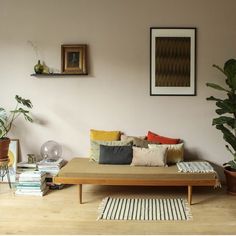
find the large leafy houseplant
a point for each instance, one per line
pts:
(226, 109)
(7, 119)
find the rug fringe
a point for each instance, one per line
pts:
(218, 183)
(188, 210)
(101, 207)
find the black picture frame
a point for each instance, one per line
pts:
(173, 61)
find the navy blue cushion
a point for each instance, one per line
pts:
(115, 155)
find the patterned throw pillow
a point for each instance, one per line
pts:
(149, 157)
(138, 141)
(175, 152)
(161, 139)
(102, 135)
(95, 147)
(131, 138)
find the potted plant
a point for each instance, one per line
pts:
(6, 121)
(226, 121)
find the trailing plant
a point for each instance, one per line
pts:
(226, 108)
(7, 118)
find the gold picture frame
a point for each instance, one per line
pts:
(74, 59)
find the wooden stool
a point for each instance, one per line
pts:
(4, 170)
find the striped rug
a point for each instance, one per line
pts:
(144, 209)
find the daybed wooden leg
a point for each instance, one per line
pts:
(80, 193)
(190, 191)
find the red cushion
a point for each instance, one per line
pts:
(161, 139)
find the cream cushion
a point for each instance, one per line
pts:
(149, 157)
(95, 147)
(175, 152)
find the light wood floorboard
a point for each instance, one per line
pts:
(59, 212)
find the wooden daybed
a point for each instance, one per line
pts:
(83, 171)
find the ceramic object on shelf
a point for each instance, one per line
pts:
(38, 68)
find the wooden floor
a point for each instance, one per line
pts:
(214, 212)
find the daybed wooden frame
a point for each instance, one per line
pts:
(190, 182)
(135, 182)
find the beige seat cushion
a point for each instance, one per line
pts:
(83, 168)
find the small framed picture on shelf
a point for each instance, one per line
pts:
(74, 59)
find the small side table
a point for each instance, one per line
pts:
(4, 170)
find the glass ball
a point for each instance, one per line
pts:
(51, 150)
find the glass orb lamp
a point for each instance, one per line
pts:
(51, 151)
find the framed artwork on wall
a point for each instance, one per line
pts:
(13, 157)
(172, 61)
(74, 59)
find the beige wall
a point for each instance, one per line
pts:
(115, 95)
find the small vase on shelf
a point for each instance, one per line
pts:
(38, 68)
(45, 68)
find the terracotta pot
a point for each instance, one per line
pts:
(4, 147)
(230, 180)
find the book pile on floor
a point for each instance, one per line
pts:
(32, 183)
(25, 166)
(51, 168)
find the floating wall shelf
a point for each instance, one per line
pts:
(55, 75)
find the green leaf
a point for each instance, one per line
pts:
(228, 136)
(226, 106)
(28, 118)
(228, 148)
(230, 71)
(3, 114)
(216, 86)
(2, 122)
(233, 81)
(25, 102)
(230, 68)
(232, 164)
(224, 120)
(20, 110)
(211, 98)
(221, 111)
(231, 98)
(219, 68)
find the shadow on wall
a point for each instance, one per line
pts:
(67, 152)
(39, 120)
(193, 155)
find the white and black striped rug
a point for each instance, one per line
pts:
(144, 209)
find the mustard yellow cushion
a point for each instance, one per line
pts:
(102, 135)
(175, 152)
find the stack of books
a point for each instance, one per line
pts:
(25, 166)
(51, 167)
(32, 183)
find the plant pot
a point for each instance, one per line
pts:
(4, 147)
(230, 180)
